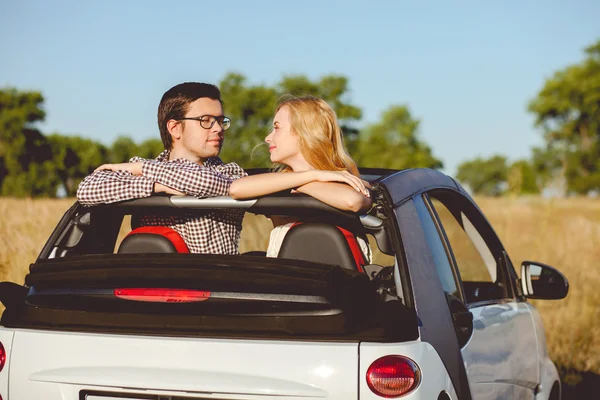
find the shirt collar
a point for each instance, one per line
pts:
(212, 161)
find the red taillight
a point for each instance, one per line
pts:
(2, 358)
(393, 376)
(162, 295)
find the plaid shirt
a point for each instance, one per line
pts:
(215, 232)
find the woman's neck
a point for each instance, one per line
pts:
(300, 164)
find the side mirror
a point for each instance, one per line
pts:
(541, 281)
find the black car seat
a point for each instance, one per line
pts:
(323, 243)
(153, 239)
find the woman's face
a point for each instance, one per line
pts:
(283, 144)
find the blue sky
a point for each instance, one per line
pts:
(467, 69)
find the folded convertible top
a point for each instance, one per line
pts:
(245, 296)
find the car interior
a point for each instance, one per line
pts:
(323, 235)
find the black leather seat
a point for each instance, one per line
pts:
(323, 243)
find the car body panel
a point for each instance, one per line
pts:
(177, 365)
(501, 356)
(435, 322)
(549, 377)
(434, 380)
(502, 352)
(6, 338)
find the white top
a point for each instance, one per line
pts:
(279, 232)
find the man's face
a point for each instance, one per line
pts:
(197, 143)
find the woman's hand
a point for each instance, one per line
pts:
(344, 177)
(133, 168)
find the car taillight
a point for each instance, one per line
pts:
(162, 295)
(2, 358)
(393, 376)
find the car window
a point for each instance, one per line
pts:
(439, 252)
(480, 273)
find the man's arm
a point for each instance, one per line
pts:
(193, 179)
(103, 187)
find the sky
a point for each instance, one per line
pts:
(466, 69)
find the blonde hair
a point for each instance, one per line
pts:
(319, 135)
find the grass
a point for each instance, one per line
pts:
(564, 233)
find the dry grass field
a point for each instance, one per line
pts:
(564, 233)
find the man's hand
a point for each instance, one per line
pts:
(133, 168)
(160, 188)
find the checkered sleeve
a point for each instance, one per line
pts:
(232, 170)
(104, 187)
(190, 178)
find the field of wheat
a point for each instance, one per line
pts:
(564, 233)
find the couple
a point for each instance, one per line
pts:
(305, 143)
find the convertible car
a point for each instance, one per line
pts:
(110, 310)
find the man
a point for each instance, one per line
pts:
(192, 126)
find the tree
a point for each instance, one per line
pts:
(394, 143)
(150, 148)
(251, 110)
(25, 155)
(522, 178)
(32, 164)
(567, 109)
(334, 90)
(74, 158)
(484, 176)
(252, 107)
(121, 150)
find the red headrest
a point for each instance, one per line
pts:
(153, 239)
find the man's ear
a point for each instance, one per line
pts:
(174, 128)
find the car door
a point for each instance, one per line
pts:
(501, 354)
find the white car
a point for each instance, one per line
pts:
(439, 314)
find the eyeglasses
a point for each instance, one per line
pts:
(207, 121)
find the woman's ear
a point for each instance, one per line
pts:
(174, 127)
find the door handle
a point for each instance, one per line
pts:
(463, 318)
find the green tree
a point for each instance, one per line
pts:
(334, 90)
(522, 178)
(74, 158)
(122, 149)
(150, 148)
(251, 110)
(26, 168)
(252, 107)
(32, 164)
(567, 109)
(484, 176)
(394, 143)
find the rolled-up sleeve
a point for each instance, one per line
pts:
(193, 179)
(103, 187)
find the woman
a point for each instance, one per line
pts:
(306, 145)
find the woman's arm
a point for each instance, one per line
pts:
(259, 185)
(338, 189)
(338, 195)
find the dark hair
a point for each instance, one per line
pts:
(175, 103)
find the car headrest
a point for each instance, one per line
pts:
(153, 239)
(324, 243)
